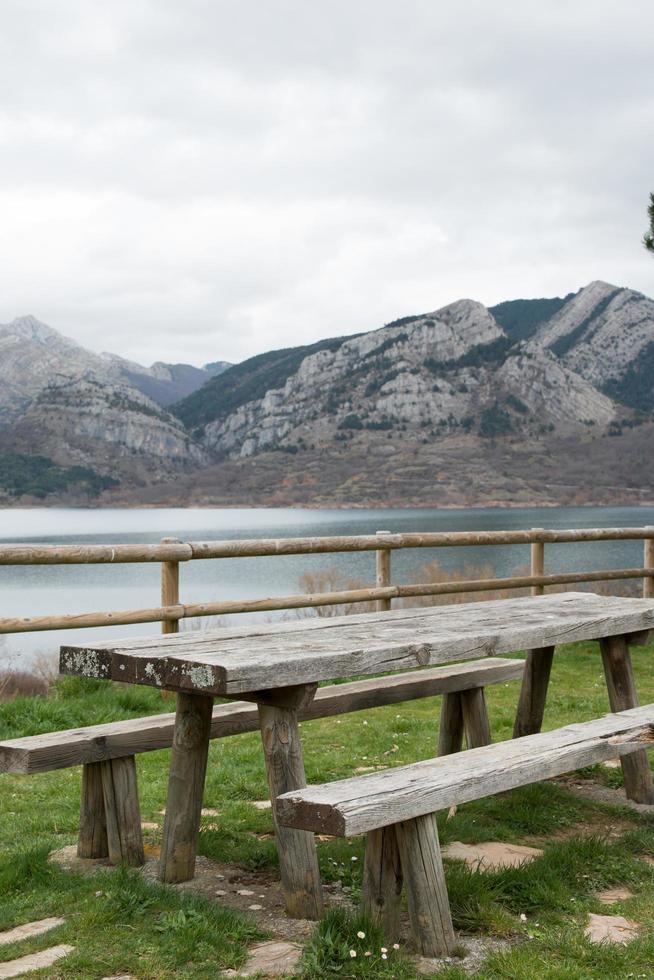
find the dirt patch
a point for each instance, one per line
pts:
(258, 893)
(477, 948)
(586, 789)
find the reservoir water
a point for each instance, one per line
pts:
(34, 590)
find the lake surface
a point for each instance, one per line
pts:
(34, 590)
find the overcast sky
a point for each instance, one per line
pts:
(198, 179)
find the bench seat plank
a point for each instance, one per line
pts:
(357, 805)
(96, 743)
(232, 663)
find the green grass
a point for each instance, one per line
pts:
(119, 923)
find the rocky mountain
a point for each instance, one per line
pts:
(100, 412)
(34, 355)
(526, 368)
(114, 429)
(465, 404)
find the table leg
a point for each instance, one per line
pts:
(533, 692)
(298, 861)
(188, 766)
(622, 695)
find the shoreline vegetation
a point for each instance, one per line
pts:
(390, 504)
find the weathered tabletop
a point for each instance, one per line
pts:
(279, 666)
(235, 662)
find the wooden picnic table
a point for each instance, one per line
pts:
(280, 665)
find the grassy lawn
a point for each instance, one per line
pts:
(121, 924)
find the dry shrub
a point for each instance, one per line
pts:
(332, 580)
(22, 684)
(194, 623)
(434, 573)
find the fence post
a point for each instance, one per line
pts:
(383, 557)
(648, 562)
(169, 597)
(537, 562)
(170, 588)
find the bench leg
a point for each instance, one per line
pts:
(382, 881)
(92, 840)
(475, 717)
(188, 766)
(450, 733)
(533, 693)
(429, 907)
(298, 861)
(622, 695)
(122, 813)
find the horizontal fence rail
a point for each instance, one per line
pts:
(174, 613)
(102, 554)
(170, 552)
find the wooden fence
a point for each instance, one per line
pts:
(170, 553)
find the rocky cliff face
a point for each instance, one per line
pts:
(33, 356)
(113, 429)
(455, 369)
(73, 406)
(600, 332)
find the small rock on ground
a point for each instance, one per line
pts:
(271, 959)
(262, 804)
(491, 855)
(610, 929)
(28, 930)
(150, 825)
(611, 895)
(33, 961)
(121, 976)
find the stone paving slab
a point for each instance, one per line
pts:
(34, 961)
(491, 855)
(611, 895)
(614, 929)
(28, 930)
(270, 959)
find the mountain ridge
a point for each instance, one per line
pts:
(444, 389)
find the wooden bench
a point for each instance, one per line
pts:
(396, 809)
(110, 824)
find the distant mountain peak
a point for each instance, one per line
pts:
(32, 329)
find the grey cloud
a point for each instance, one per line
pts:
(208, 179)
